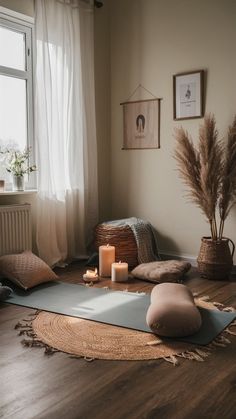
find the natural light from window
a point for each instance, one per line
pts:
(12, 49)
(13, 114)
(16, 96)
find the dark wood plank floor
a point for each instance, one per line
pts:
(33, 385)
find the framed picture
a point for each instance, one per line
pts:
(188, 95)
(141, 124)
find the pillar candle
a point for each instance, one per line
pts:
(106, 258)
(119, 272)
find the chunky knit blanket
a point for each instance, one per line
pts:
(144, 235)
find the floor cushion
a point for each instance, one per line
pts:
(172, 312)
(163, 271)
(26, 269)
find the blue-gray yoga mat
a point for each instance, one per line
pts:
(125, 309)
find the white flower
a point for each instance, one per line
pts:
(17, 162)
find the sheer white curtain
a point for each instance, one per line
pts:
(65, 130)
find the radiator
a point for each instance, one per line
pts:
(15, 229)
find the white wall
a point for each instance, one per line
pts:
(150, 41)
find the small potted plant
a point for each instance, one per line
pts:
(17, 163)
(209, 171)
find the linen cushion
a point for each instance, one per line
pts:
(173, 312)
(26, 269)
(164, 271)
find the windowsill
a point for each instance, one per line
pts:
(26, 192)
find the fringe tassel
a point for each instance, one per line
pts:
(154, 342)
(25, 329)
(204, 298)
(194, 356)
(172, 360)
(222, 339)
(75, 356)
(219, 341)
(32, 343)
(87, 359)
(218, 344)
(230, 331)
(222, 307)
(218, 305)
(228, 309)
(203, 353)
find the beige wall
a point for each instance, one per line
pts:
(21, 6)
(150, 41)
(102, 93)
(147, 42)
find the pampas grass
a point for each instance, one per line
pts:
(209, 171)
(228, 183)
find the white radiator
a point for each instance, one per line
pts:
(15, 229)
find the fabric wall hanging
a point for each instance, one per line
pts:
(141, 119)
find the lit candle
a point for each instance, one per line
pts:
(119, 272)
(106, 258)
(90, 276)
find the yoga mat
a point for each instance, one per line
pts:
(119, 308)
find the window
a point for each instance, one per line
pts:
(16, 86)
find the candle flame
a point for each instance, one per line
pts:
(91, 273)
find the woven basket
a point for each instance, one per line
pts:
(122, 238)
(215, 260)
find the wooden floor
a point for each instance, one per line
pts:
(33, 385)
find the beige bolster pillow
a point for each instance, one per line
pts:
(172, 312)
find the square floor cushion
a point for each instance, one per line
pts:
(26, 269)
(163, 271)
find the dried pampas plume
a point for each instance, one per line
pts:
(228, 184)
(209, 171)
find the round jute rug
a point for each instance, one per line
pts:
(93, 340)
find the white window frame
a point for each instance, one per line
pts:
(24, 24)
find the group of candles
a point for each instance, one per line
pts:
(118, 271)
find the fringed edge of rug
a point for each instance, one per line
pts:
(199, 354)
(25, 328)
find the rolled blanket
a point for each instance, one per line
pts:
(144, 235)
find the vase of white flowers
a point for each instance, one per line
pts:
(18, 183)
(17, 163)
